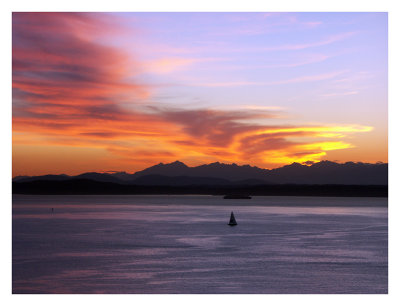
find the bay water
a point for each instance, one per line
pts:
(182, 244)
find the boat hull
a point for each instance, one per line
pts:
(237, 197)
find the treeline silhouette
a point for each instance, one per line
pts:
(86, 187)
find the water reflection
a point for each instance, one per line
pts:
(159, 245)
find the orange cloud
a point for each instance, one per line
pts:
(72, 93)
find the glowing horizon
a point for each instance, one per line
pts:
(124, 91)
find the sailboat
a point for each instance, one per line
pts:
(232, 221)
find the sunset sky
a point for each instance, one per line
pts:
(124, 91)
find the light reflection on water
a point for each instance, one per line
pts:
(181, 244)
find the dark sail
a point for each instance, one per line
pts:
(232, 221)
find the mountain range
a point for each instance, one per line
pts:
(219, 174)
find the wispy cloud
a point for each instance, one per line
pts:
(347, 93)
(167, 65)
(300, 46)
(228, 84)
(250, 107)
(263, 23)
(308, 78)
(312, 59)
(300, 79)
(69, 85)
(354, 77)
(287, 62)
(52, 58)
(220, 47)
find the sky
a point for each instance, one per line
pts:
(124, 91)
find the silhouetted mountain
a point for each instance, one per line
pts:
(162, 180)
(231, 172)
(123, 176)
(177, 173)
(48, 177)
(20, 178)
(99, 177)
(176, 168)
(324, 172)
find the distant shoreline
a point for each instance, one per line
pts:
(90, 187)
(201, 200)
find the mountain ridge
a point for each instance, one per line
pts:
(323, 172)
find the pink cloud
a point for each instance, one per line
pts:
(68, 84)
(308, 78)
(300, 79)
(167, 65)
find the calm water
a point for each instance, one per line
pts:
(182, 244)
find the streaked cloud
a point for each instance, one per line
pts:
(325, 41)
(347, 93)
(167, 65)
(264, 23)
(300, 79)
(76, 87)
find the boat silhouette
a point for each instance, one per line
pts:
(237, 196)
(232, 221)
